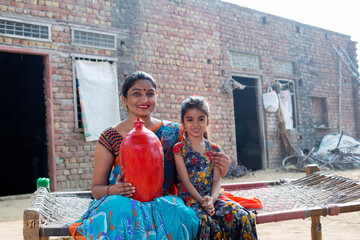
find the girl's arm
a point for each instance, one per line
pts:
(215, 190)
(209, 202)
(184, 177)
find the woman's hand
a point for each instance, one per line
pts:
(208, 206)
(222, 161)
(124, 189)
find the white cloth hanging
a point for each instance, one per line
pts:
(286, 108)
(99, 98)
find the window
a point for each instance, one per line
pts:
(24, 30)
(93, 39)
(77, 106)
(319, 112)
(286, 84)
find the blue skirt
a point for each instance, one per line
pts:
(117, 217)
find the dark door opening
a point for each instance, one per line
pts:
(22, 124)
(247, 124)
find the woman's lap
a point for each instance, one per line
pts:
(119, 217)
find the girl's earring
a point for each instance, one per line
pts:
(125, 107)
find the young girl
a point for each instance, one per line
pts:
(220, 218)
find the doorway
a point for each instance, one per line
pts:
(23, 138)
(248, 142)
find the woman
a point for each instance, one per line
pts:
(114, 214)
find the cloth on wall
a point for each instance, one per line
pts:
(99, 98)
(286, 108)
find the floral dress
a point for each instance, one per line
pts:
(117, 217)
(231, 220)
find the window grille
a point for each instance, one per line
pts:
(77, 106)
(24, 30)
(93, 39)
(286, 84)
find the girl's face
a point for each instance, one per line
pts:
(141, 99)
(195, 122)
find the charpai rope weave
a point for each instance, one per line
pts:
(315, 190)
(59, 208)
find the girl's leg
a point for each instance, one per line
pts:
(235, 221)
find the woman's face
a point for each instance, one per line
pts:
(141, 99)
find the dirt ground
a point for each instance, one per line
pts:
(343, 226)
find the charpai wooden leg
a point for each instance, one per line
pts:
(31, 224)
(315, 220)
(316, 228)
(311, 168)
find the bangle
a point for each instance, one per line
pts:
(107, 189)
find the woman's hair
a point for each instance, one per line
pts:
(198, 103)
(133, 78)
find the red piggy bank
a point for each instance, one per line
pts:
(142, 162)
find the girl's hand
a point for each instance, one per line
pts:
(208, 206)
(124, 189)
(222, 161)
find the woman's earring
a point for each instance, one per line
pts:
(125, 107)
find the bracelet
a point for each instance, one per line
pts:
(107, 189)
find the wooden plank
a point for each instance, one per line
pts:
(305, 213)
(54, 230)
(244, 186)
(81, 194)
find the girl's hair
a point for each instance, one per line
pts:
(133, 78)
(198, 103)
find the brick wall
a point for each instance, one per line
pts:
(185, 45)
(179, 43)
(195, 38)
(74, 156)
